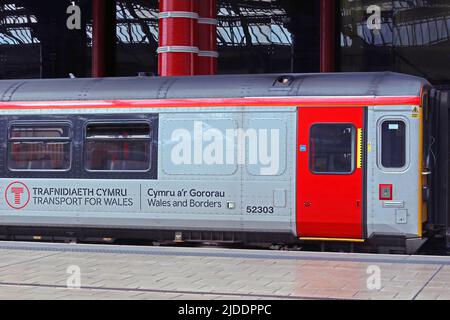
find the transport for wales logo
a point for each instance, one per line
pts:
(17, 195)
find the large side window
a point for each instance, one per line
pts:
(332, 148)
(393, 144)
(39, 147)
(117, 147)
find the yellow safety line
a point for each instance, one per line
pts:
(331, 239)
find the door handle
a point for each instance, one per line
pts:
(358, 202)
(307, 203)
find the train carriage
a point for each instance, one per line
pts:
(239, 158)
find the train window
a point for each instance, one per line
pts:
(39, 147)
(117, 147)
(393, 144)
(332, 148)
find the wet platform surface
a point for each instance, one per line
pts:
(76, 271)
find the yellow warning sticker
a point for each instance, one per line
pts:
(360, 146)
(415, 113)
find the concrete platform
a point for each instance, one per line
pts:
(43, 271)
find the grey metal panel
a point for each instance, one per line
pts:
(360, 84)
(51, 89)
(384, 217)
(127, 89)
(259, 190)
(332, 84)
(27, 220)
(87, 89)
(352, 84)
(241, 186)
(391, 86)
(183, 128)
(190, 222)
(8, 88)
(223, 86)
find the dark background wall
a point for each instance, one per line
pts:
(254, 36)
(414, 38)
(35, 42)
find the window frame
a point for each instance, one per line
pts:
(32, 123)
(380, 123)
(353, 149)
(117, 122)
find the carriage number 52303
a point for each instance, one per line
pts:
(259, 209)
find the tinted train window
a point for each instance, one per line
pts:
(332, 148)
(393, 144)
(39, 147)
(117, 147)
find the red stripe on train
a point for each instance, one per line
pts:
(216, 102)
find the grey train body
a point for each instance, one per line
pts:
(191, 193)
(192, 197)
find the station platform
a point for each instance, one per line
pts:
(44, 270)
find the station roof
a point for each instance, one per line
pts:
(221, 86)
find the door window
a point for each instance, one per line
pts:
(332, 148)
(393, 144)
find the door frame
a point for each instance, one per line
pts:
(361, 151)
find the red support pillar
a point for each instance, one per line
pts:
(98, 39)
(327, 35)
(103, 37)
(178, 32)
(207, 38)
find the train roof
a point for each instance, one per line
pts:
(221, 86)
